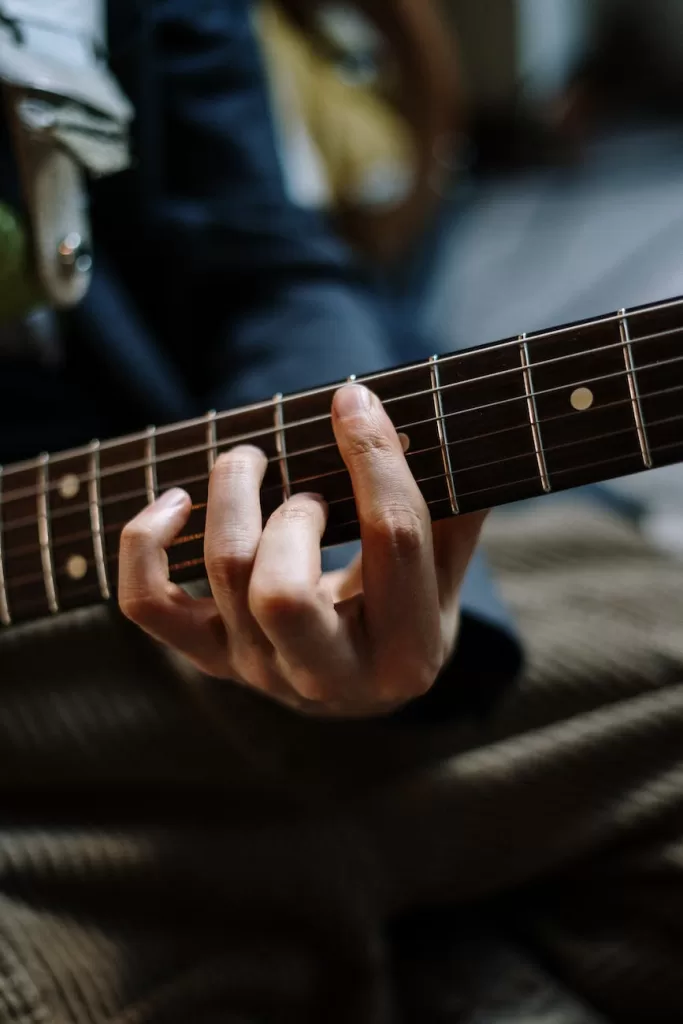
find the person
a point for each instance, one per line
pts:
(212, 289)
(208, 199)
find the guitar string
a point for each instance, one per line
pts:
(138, 492)
(23, 492)
(31, 492)
(507, 486)
(116, 528)
(55, 515)
(197, 562)
(180, 541)
(179, 567)
(623, 316)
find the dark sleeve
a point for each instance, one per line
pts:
(300, 312)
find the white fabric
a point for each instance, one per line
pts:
(77, 124)
(95, 142)
(77, 17)
(57, 53)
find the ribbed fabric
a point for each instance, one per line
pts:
(174, 850)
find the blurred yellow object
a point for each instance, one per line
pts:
(345, 135)
(20, 292)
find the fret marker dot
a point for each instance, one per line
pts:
(77, 567)
(69, 486)
(582, 399)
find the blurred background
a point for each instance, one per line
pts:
(499, 168)
(525, 155)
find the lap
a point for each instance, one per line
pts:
(164, 839)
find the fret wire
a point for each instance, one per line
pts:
(211, 440)
(89, 590)
(331, 388)
(482, 465)
(74, 538)
(503, 432)
(281, 446)
(127, 467)
(131, 495)
(533, 415)
(313, 392)
(508, 458)
(96, 522)
(406, 427)
(571, 469)
(526, 480)
(491, 490)
(179, 427)
(463, 412)
(5, 617)
(326, 418)
(633, 389)
(197, 562)
(44, 536)
(151, 465)
(118, 527)
(441, 428)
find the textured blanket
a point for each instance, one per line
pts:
(172, 850)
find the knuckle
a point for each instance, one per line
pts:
(399, 528)
(135, 535)
(138, 606)
(425, 677)
(427, 670)
(312, 689)
(252, 670)
(228, 565)
(283, 604)
(416, 682)
(247, 666)
(371, 444)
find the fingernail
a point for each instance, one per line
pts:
(352, 400)
(306, 496)
(317, 498)
(171, 499)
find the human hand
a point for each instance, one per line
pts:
(357, 643)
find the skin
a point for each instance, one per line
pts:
(358, 643)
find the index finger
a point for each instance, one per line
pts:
(399, 575)
(148, 597)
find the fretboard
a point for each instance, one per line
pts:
(498, 424)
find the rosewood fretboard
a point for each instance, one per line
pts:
(541, 413)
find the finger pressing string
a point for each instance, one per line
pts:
(486, 497)
(263, 435)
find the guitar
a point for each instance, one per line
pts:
(532, 415)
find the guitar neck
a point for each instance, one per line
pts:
(509, 421)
